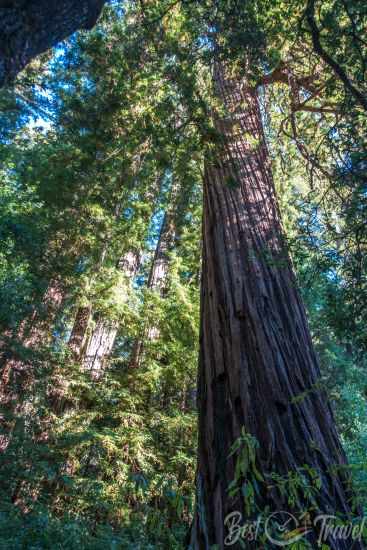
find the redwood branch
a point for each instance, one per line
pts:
(337, 69)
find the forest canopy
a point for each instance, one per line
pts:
(183, 290)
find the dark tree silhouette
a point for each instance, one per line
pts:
(30, 27)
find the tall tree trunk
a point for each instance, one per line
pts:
(30, 27)
(257, 370)
(157, 281)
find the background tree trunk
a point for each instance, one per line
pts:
(34, 332)
(258, 367)
(80, 329)
(100, 345)
(20, 353)
(30, 27)
(103, 336)
(94, 347)
(157, 281)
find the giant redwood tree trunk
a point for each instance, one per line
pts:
(258, 370)
(30, 27)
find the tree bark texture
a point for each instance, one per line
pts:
(159, 271)
(99, 348)
(257, 368)
(30, 27)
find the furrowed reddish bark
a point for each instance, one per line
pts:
(258, 369)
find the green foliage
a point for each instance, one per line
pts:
(109, 462)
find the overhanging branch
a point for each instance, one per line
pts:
(338, 70)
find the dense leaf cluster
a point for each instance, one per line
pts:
(98, 145)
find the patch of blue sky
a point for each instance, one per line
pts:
(40, 113)
(128, 213)
(155, 229)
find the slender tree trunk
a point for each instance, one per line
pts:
(157, 281)
(257, 369)
(158, 276)
(100, 346)
(80, 329)
(30, 27)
